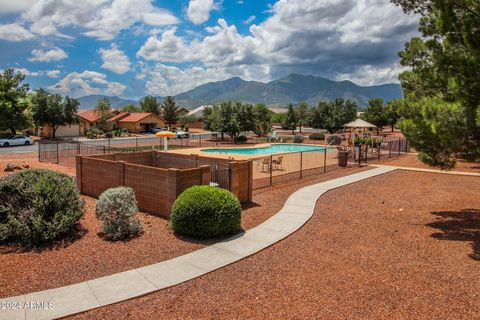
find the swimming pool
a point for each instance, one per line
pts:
(274, 148)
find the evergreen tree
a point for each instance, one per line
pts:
(376, 113)
(443, 69)
(150, 104)
(169, 111)
(302, 115)
(291, 119)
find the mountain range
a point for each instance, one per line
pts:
(294, 88)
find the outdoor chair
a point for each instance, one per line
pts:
(264, 165)
(278, 162)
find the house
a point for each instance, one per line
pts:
(181, 111)
(137, 122)
(91, 118)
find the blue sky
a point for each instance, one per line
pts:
(132, 48)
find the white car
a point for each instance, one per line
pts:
(16, 140)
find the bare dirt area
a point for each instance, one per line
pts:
(85, 255)
(410, 160)
(404, 245)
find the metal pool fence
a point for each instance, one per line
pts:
(64, 151)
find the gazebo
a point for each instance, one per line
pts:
(359, 123)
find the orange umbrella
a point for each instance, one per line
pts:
(165, 135)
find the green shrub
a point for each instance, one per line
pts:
(109, 135)
(37, 206)
(317, 136)
(117, 207)
(205, 212)
(334, 140)
(93, 133)
(298, 138)
(241, 139)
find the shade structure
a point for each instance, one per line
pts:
(359, 123)
(165, 135)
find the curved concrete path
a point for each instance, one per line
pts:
(298, 209)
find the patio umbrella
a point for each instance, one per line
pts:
(165, 135)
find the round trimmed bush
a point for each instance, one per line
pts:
(206, 212)
(317, 136)
(241, 139)
(298, 138)
(117, 208)
(38, 206)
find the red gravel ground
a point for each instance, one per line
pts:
(86, 256)
(410, 160)
(404, 245)
(34, 164)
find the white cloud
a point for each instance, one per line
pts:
(53, 73)
(14, 32)
(85, 83)
(170, 80)
(115, 60)
(199, 10)
(9, 6)
(331, 38)
(102, 19)
(249, 19)
(54, 54)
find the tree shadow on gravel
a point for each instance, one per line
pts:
(461, 225)
(78, 232)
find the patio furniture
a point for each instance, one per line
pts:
(265, 163)
(278, 162)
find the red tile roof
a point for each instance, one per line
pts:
(137, 116)
(90, 115)
(119, 116)
(93, 115)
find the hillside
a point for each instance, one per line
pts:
(90, 102)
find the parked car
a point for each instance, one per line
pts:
(181, 134)
(16, 140)
(156, 130)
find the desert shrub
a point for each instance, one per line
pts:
(317, 136)
(241, 139)
(93, 133)
(334, 140)
(298, 138)
(37, 206)
(205, 212)
(359, 141)
(117, 208)
(109, 135)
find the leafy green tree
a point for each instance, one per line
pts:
(150, 104)
(54, 110)
(13, 101)
(393, 112)
(376, 113)
(245, 116)
(169, 111)
(331, 116)
(186, 119)
(279, 117)
(302, 115)
(131, 108)
(444, 68)
(104, 110)
(291, 119)
(263, 120)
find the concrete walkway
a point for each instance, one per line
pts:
(298, 209)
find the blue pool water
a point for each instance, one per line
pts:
(274, 148)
